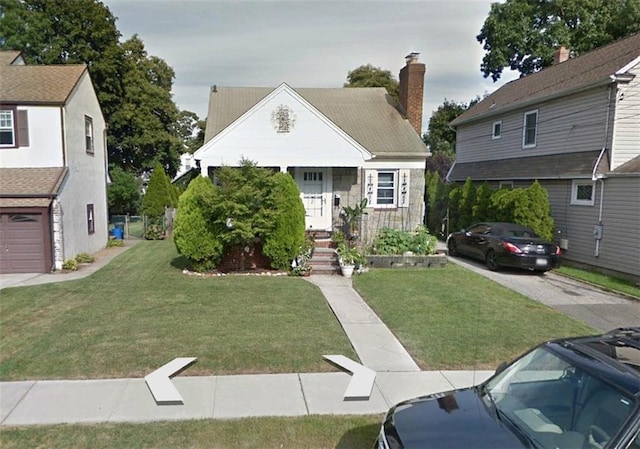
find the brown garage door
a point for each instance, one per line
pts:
(22, 247)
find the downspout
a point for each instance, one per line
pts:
(597, 230)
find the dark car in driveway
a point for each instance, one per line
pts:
(505, 245)
(575, 393)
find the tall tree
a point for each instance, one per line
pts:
(523, 34)
(67, 32)
(134, 89)
(191, 131)
(142, 132)
(440, 138)
(370, 76)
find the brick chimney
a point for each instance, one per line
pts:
(412, 90)
(561, 55)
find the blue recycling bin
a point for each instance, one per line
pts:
(118, 232)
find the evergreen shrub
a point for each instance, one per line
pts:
(285, 240)
(194, 232)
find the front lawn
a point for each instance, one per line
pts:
(452, 318)
(140, 311)
(312, 432)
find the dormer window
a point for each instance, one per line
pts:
(496, 130)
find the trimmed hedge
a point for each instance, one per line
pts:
(194, 234)
(251, 208)
(285, 241)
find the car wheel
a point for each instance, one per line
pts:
(453, 251)
(492, 261)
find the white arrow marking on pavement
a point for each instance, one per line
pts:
(159, 381)
(362, 378)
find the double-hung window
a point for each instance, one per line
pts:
(582, 193)
(88, 134)
(496, 130)
(386, 189)
(7, 128)
(530, 129)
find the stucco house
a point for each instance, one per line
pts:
(53, 165)
(340, 145)
(575, 127)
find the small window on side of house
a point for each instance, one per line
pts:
(496, 130)
(88, 134)
(530, 129)
(91, 222)
(7, 128)
(506, 185)
(583, 193)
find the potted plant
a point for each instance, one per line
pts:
(350, 257)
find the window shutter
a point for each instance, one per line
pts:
(403, 188)
(23, 128)
(370, 182)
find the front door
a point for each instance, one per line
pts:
(315, 189)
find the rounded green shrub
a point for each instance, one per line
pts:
(194, 234)
(287, 236)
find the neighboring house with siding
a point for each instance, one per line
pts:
(574, 127)
(53, 161)
(340, 145)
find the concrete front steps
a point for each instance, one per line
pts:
(324, 260)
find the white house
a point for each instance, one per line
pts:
(53, 165)
(340, 145)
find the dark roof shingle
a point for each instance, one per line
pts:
(592, 68)
(48, 84)
(368, 115)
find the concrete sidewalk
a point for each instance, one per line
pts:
(214, 397)
(219, 397)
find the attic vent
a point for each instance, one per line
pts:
(283, 119)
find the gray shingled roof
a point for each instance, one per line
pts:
(29, 187)
(590, 69)
(368, 115)
(555, 166)
(37, 84)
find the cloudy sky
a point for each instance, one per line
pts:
(309, 43)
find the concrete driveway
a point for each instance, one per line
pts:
(599, 309)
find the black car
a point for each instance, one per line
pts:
(576, 393)
(505, 245)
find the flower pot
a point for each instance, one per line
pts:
(347, 270)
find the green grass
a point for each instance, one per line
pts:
(452, 318)
(609, 283)
(140, 311)
(278, 433)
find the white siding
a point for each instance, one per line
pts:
(313, 141)
(571, 124)
(86, 181)
(45, 140)
(626, 144)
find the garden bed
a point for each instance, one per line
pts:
(406, 261)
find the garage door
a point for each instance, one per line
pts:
(22, 243)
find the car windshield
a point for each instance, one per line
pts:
(551, 403)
